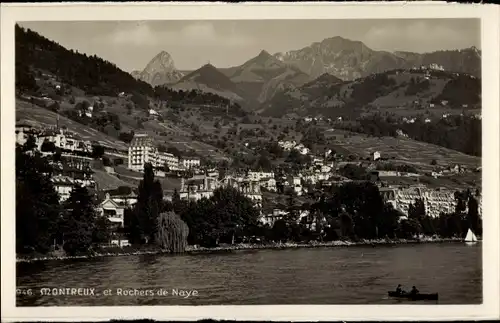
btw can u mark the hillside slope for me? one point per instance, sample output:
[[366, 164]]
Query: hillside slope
[[264, 75], [416, 88], [209, 79], [91, 74]]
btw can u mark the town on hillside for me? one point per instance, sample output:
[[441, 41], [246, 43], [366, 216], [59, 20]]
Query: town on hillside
[[81, 163]]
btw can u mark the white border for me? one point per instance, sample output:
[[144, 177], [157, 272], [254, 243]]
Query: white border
[[10, 13]]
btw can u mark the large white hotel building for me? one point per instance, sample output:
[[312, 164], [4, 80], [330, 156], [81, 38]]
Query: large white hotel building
[[143, 150]]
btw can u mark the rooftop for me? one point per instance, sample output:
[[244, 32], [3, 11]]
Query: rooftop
[[141, 140]]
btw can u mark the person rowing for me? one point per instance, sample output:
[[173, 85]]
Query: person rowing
[[414, 291], [399, 291]]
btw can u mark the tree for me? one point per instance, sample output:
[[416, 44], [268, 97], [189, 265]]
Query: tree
[[78, 221], [176, 201], [54, 106], [410, 228], [473, 217], [417, 210], [264, 163], [97, 151], [222, 217], [25, 81], [102, 230], [29, 145], [148, 207], [232, 210], [126, 136], [362, 201], [280, 231], [172, 232], [48, 146], [346, 224], [37, 202], [106, 161], [353, 172], [174, 151]]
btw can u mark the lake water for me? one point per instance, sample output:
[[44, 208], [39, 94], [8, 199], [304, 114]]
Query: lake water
[[342, 275]]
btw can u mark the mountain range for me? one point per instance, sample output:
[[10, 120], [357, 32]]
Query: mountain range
[[261, 77], [266, 83], [349, 59]]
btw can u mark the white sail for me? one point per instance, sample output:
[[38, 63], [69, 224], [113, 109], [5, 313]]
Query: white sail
[[470, 237]]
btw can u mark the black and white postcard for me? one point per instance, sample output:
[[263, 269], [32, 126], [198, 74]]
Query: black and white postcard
[[281, 161]]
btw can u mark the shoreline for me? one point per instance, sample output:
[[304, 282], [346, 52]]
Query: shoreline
[[193, 250]]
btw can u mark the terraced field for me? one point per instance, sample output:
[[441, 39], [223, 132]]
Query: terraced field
[[417, 153], [38, 116]]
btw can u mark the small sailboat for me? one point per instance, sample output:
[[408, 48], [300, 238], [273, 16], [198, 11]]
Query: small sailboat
[[470, 238]]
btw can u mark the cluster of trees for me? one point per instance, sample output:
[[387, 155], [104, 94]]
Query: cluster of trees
[[463, 89], [370, 88], [106, 122], [354, 172], [219, 219], [461, 133], [212, 102], [89, 73], [206, 222], [416, 86], [398, 168], [42, 222], [313, 136], [352, 211]]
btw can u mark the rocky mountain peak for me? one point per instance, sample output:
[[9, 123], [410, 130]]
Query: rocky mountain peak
[[161, 62], [264, 54], [160, 70]]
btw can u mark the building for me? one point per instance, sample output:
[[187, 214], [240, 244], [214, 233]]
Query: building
[[113, 210], [270, 218], [89, 111], [23, 131], [257, 176], [190, 162], [251, 190], [64, 140], [124, 196], [168, 159], [203, 186], [153, 113], [269, 184], [376, 155], [64, 186], [287, 145], [435, 201], [295, 182], [78, 168], [141, 150], [198, 187]]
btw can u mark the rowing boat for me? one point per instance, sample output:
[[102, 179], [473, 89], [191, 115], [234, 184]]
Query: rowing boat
[[414, 297]]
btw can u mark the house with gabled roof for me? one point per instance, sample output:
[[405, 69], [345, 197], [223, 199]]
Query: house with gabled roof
[[113, 210]]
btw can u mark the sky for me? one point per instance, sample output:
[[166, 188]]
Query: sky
[[225, 43]]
